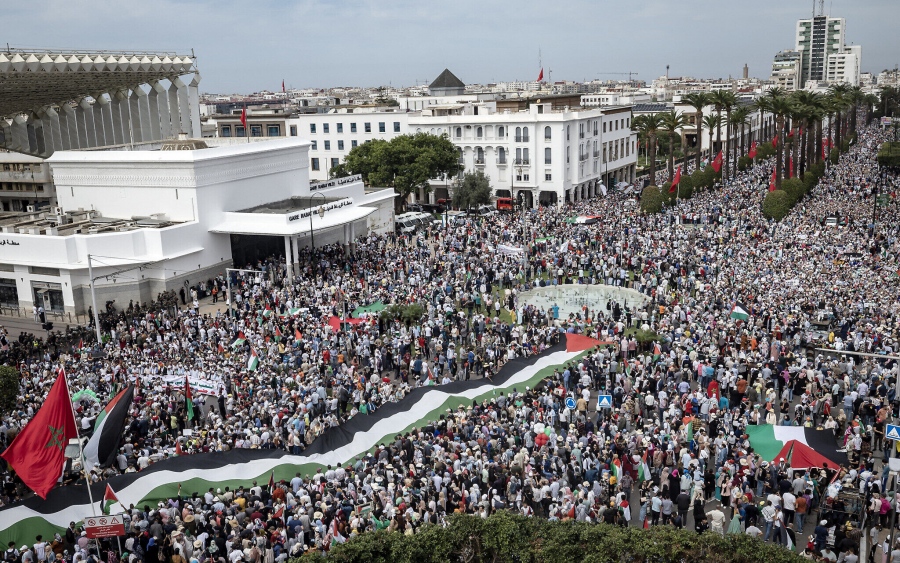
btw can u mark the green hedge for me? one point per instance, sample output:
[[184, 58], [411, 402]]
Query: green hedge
[[889, 154], [744, 163], [652, 200], [776, 205], [795, 188], [764, 150], [508, 538]]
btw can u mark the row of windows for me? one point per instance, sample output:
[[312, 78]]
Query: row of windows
[[255, 131], [367, 127], [316, 166], [340, 145]]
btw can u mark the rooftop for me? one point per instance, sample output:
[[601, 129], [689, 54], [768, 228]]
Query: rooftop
[[447, 79], [79, 222]]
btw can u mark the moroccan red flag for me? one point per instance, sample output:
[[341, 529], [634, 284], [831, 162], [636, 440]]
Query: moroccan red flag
[[790, 168], [772, 182], [675, 180], [38, 453], [541, 75], [791, 134], [775, 142], [823, 152], [752, 153], [717, 163], [244, 117]]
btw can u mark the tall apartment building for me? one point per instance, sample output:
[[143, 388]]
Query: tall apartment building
[[817, 38]]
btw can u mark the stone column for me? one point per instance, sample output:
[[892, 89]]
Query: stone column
[[102, 124], [194, 106], [86, 133], [51, 124], [184, 106], [296, 243], [138, 118], [174, 119], [288, 261], [70, 126], [158, 102]]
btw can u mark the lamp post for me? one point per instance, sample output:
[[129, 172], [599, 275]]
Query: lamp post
[[321, 212]]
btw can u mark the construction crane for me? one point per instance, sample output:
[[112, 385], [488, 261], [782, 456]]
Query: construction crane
[[629, 74]]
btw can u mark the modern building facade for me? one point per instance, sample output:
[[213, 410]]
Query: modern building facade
[[786, 70], [25, 181], [816, 38]]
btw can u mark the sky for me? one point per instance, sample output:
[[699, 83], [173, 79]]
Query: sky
[[243, 47]]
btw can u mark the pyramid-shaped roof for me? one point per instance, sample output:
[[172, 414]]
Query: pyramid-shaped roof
[[447, 79]]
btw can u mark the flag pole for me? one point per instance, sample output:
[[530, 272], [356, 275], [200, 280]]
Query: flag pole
[[80, 447]]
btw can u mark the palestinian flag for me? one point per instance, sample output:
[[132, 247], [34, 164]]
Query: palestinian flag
[[297, 335], [103, 446], [239, 341], [689, 437], [109, 499], [657, 352], [188, 399], [253, 362], [739, 312], [800, 447], [278, 334], [268, 311], [644, 469], [616, 469], [198, 472]]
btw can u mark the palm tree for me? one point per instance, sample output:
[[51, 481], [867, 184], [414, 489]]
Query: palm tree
[[740, 118], [855, 96], [698, 101], [809, 109], [724, 100], [711, 122], [781, 107], [772, 95], [763, 105], [649, 124], [671, 123], [839, 93], [869, 103]]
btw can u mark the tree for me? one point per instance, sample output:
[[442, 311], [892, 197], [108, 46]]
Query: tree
[[712, 123], [839, 96], [651, 200], [649, 125], [724, 100], [776, 205], [473, 190], [405, 163], [671, 123], [9, 389], [780, 107], [698, 101], [740, 118]]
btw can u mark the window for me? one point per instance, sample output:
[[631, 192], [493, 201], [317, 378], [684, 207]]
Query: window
[[501, 156], [617, 125], [381, 128], [595, 127], [353, 127], [604, 127], [604, 152], [293, 130], [626, 149], [518, 134], [368, 127], [547, 158], [548, 177], [340, 127], [256, 130], [581, 130], [459, 132], [547, 133], [312, 128], [327, 145], [335, 162], [340, 145], [396, 127], [501, 131], [325, 128], [226, 130], [315, 164], [525, 134], [628, 122], [274, 130], [353, 144], [239, 131], [479, 132], [479, 155], [315, 145], [568, 129]]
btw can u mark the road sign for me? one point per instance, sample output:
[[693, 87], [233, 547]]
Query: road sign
[[570, 403], [892, 432], [104, 526], [604, 402]]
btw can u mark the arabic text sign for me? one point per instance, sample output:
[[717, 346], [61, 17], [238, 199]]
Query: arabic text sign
[[199, 386], [331, 205], [104, 526]]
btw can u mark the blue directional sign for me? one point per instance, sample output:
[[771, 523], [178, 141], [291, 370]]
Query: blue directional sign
[[570, 403], [892, 432], [604, 402]]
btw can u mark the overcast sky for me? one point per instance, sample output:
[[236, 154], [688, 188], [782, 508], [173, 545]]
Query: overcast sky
[[246, 46]]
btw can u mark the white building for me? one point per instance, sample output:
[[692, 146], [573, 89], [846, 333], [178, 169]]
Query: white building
[[844, 67], [151, 220], [815, 39], [786, 70]]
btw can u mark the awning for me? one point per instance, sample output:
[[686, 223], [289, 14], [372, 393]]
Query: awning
[[274, 225]]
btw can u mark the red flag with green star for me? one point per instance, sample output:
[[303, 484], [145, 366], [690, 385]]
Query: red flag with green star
[[38, 453]]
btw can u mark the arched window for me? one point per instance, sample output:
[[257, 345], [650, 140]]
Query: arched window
[[524, 156], [479, 155], [518, 156], [547, 133], [518, 134], [525, 134], [479, 132], [458, 132], [501, 131], [547, 156], [501, 156]]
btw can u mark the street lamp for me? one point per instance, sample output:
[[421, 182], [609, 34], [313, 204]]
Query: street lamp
[[321, 212]]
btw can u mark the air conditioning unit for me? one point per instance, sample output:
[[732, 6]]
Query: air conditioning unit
[[29, 209]]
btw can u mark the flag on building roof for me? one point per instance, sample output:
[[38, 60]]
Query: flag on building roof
[[37, 454], [717, 163], [188, 399], [253, 362], [244, 116], [541, 75], [103, 446], [739, 312], [109, 499]]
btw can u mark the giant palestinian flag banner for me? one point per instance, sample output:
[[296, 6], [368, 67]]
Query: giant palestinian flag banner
[[20, 522], [800, 447]]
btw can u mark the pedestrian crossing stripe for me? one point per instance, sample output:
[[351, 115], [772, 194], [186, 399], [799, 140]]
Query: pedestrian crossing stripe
[[892, 432], [605, 402]]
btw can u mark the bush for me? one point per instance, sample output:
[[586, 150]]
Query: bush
[[744, 163], [697, 180], [685, 188], [9, 389], [776, 205], [651, 200], [764, 150], [889, 155], [504, 537], [794, 188]]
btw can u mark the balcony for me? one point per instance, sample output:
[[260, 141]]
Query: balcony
[[521, 138], [479, 162], [522, 162], [501, 162]]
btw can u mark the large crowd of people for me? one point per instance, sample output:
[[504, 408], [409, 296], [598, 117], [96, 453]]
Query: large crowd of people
[[674, 451]]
